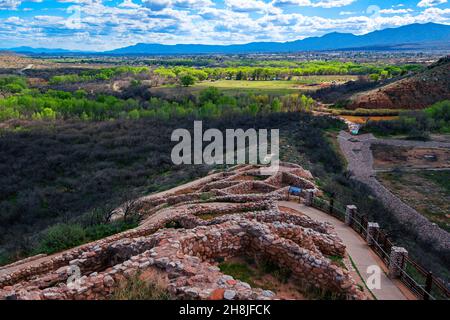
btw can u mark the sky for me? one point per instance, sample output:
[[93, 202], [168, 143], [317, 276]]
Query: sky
[[99, 25]]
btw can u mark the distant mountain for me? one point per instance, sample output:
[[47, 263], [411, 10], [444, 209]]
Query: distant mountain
[[414, 92], [418, 34], [40, 50], [414, 36]]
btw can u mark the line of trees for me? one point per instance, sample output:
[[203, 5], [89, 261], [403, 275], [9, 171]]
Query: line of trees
[[100, 74], [188, 75], [376, 72], [211, 102]]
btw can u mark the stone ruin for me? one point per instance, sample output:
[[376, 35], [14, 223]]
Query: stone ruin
[[243, 219]]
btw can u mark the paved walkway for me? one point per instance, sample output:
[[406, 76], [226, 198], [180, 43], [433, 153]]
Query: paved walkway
[[357, 248]]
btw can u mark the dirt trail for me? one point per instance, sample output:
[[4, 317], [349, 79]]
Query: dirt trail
[[28, 67]]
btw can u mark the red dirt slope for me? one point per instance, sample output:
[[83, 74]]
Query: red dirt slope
[[415, 92]]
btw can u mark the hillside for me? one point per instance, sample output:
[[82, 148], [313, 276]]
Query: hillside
[[415, 92]]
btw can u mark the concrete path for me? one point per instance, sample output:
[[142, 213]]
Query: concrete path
[[357, 248]]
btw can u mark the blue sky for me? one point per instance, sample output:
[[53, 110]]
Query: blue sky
[[106, 24]]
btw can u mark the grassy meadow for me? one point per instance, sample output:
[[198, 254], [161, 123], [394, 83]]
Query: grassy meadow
[[270, 87]]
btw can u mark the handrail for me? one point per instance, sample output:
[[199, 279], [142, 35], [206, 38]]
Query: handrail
[[401, 268], [417, 288]]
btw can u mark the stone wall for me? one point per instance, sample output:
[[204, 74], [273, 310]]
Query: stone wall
[[175, 252], [242, 223]]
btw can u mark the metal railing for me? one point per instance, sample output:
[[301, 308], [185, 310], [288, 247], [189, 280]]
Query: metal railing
[[420, 281]]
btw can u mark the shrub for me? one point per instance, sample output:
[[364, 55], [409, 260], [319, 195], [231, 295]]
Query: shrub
[[104, 230], [61, 237], [211, 94], [12, 84], [69, 235], [239, 271]]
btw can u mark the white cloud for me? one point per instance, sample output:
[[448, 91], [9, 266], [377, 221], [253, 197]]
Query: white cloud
[[13, 4], [314, 3], [395, 11], [129, 4], [347, 13], [157, 5], [430, 3], [9, 4], [247, 5]]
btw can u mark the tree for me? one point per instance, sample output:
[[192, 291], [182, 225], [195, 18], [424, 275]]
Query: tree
[[374, 77], [187, 80], [48, 114], [80, 94], [384, 74], [134, 114]]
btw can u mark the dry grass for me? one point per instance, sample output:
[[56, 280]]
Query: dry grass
[[423, 191], [390, 157], [145, 286]]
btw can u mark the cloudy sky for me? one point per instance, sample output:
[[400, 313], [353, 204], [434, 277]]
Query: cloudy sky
[[106, 24]]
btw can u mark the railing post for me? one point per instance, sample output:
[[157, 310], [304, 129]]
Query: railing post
[[350, 212], [428, 286], [372, 230], [396, 261], [309, 197], [330, 211]]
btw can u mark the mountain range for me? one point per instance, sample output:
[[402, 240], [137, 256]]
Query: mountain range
[[413, 36]]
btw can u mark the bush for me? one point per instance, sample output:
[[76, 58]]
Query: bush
[[211, 94], [104, 230], [4, 259], [12, 84], [61, 237], [66, 236]]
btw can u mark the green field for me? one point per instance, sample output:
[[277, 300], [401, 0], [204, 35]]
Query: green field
[[237, 86], [233, 84], [274, 87]]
